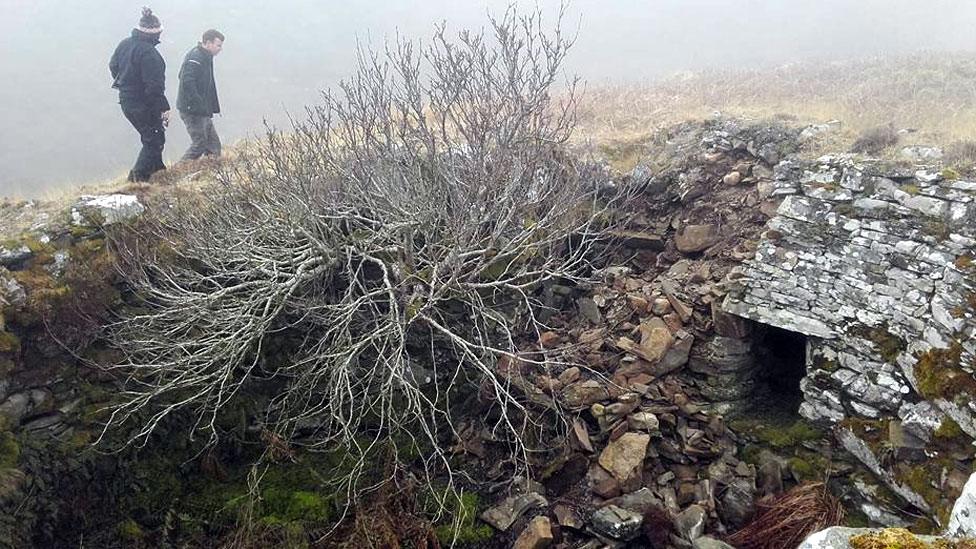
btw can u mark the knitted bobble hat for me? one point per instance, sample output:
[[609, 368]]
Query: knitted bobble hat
[[149, 23]]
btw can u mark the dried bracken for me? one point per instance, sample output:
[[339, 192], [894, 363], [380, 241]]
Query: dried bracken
[[786, 520]]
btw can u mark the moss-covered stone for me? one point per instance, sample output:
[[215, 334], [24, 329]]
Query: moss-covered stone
[[888, 345], [950, 174], [939, 376], [9, 450], [808, 466], [130, 531], [778, 436], [9, 343], [949, 430], [900, 538]]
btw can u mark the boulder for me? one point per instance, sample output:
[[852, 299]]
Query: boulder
[[503, 515], [14, 255], [690, 523], [656, 339], [104, 210], [696, 238], [732, 179], [962, 521], [624, 458], [537, 535], [616, 523], [584, 393], [706, 542]]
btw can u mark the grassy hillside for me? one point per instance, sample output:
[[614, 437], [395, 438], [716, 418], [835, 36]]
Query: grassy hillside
[[933, 94]]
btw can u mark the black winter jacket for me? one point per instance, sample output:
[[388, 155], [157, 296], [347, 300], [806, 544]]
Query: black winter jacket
[[198, 91], [139, 72]]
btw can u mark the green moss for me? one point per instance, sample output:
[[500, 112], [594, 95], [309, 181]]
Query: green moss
[[950, 174], [792, 436], [283, 504], [855, 518], [888, 345], [129, 530], [871, 431], [9, 450], [911, 189], [949, 430], [919, 479], [9, 343], [809, 466], [461, 523], [900, 538], [939, 376], [750, 454]]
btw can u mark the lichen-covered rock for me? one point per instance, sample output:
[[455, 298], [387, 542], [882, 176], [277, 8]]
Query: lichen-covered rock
[[962, 521], [104, 210], [14, 255], [841, 537]]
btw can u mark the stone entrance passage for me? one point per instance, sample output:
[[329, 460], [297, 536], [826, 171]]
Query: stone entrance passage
[[780, 365]]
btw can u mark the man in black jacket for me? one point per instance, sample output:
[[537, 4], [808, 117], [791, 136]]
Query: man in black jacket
[[197, 98], [139, 73]]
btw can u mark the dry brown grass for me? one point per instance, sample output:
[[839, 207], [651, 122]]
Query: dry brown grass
[[934, 94], [786, 520]]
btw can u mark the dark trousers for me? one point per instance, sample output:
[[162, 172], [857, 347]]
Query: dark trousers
[[203, 136], [153, 136]]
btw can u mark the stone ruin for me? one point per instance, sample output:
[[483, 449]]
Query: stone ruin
[[872, 265]]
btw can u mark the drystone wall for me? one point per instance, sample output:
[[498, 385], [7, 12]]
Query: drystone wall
[[874, 263]]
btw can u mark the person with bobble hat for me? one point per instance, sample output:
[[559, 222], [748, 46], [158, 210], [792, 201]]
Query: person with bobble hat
[[139, 73]]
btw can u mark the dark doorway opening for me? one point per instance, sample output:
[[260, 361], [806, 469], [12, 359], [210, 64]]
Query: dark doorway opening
[[781, 357]]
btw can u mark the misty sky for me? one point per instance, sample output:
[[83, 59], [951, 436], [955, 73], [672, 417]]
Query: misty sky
[[60, 123]]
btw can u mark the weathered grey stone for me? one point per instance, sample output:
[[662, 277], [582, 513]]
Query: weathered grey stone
[[921, 153], [15, 255], [589, 310], [962, 521], [706, 542], [11, 292], [503, 515], [617, 523], [676, 356], [920, 419], [690, 523], [838, 537], [15, 407], [639, 502], [104, 210], [738, 502]]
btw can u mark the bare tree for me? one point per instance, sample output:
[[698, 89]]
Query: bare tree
[[385, 253]]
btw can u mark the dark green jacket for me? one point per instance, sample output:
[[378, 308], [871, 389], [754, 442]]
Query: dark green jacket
[[198, 91], [139, 72]]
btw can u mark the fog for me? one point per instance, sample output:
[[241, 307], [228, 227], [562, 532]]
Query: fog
[[60, 123]]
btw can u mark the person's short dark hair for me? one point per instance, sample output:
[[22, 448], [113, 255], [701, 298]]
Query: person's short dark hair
[[211, 35]]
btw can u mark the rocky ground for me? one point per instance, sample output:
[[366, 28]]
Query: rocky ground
[[676, 416]]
